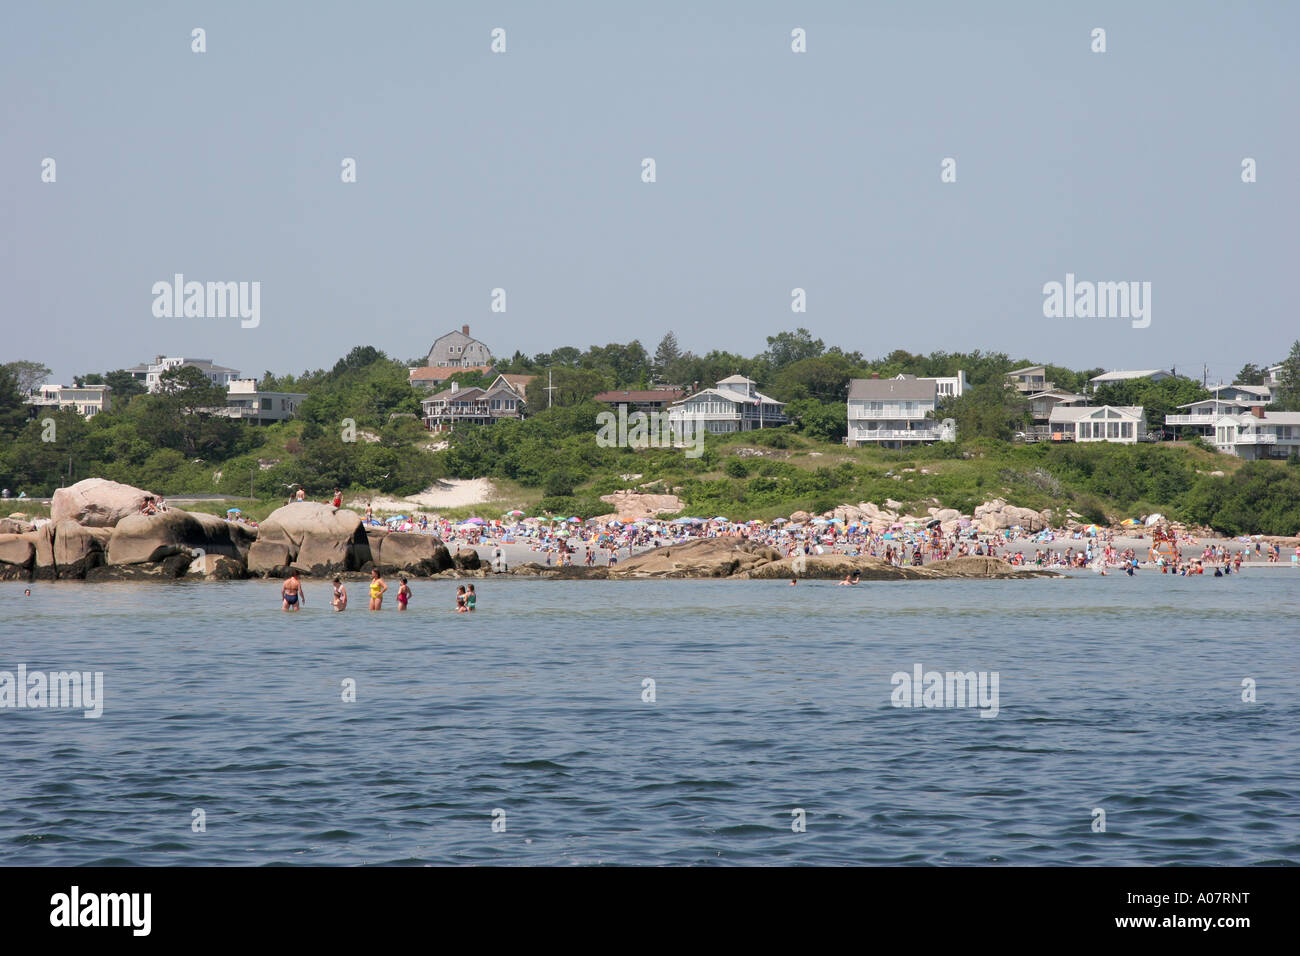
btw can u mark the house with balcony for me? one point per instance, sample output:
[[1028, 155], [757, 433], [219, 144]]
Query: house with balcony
[[246, 402], [734, 405], [87, 400], [1122, 424], [472, 405], [892, 413], [1201, 417], [949, 386], [1030, 380], [1258, 434], [151, 373], [1040, 410]]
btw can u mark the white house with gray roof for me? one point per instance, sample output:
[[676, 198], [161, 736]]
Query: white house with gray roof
[[892, 413], [1121, 424], [1258, 434], [734, 405]]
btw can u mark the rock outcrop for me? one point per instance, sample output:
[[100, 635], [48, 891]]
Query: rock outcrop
[[706, 558], [97, 502], [633, 505], [315, 538], [78, 548], [148, 539]]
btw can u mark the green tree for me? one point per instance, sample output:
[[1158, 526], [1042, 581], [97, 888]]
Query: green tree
[[666, 354], [28, 375], [1288, 382], [1250, 374], [785, 348]]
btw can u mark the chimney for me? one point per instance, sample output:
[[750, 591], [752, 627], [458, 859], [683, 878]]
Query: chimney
[[464, 329], [455, 386], [1257, 411], [875, 375]]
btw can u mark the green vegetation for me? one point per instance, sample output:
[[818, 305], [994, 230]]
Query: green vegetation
[[170, 443]]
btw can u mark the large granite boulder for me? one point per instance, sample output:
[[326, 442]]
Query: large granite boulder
[[144, 539], [43, 538], [77, 548], [15, 526], [415, 553], [997, 515], [318, 539], [97, 502]]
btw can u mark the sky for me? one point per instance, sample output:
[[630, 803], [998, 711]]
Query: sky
[[774, 170]]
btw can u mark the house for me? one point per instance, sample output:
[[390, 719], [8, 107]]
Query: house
[[459, 350], [1124, 424], [518, 382], [642, 400], [435, 376], [244, 400], [1228, 400], [892, 412], [151, 373], [1274, 373], [472, 405], [1110, 378], [1258, 434], [734, 405], [88, 400], [1040, 410], [1030, 380]]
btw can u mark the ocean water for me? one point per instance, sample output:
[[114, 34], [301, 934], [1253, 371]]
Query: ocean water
[[1114, 694]]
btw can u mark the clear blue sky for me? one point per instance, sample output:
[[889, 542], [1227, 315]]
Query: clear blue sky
[[522, 171]]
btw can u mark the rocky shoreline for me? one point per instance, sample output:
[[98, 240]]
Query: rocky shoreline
[[99, 532]]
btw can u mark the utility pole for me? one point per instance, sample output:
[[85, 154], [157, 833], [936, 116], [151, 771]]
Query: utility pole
[[550, 390]]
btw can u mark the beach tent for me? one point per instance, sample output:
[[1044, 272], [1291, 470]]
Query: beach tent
[[1154, 519]]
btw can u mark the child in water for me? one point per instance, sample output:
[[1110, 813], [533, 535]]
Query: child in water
[[460, 600], [470, 599], [340, 602], [403, 595]]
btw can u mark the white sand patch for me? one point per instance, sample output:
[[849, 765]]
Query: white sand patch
[[444, 493]]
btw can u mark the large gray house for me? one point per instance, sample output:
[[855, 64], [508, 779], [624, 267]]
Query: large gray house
[[457, 349]]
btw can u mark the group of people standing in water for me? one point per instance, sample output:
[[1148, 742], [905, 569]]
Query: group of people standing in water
[[292, 596]]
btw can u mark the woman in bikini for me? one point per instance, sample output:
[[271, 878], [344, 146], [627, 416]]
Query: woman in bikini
[[377, 589], [460, 600], [340, 601], [403, 595]]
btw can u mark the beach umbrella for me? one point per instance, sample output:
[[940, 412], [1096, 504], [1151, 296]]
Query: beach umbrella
[[1154, 519], [889, 535], [820, 521], [723, 520], [933, 523], [574, 520], [515, 514], [963, 522], [780, 520], [233, 511], [896, 525]]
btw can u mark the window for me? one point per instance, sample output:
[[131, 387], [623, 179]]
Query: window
[[1126, 430], [1112, 429]]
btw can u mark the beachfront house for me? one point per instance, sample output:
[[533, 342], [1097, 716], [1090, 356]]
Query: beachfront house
[[472, 405], [641, 400], [247, 402], [1040, 411], [87, 400], [892, 413], [459, 350], [945, 386], [1123, 424], [151, 373], [1258, 434], [1030, 380], [1202, 417], [734, 405]]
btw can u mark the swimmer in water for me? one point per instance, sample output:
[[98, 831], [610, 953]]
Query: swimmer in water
[[377, 589], [291, 595], [793, 582], [340, 602], [470, 599], [460, 600], [403, 595]]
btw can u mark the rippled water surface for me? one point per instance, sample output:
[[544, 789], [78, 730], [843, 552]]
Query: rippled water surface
[[1114, 693]]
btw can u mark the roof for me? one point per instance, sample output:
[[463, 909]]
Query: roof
[[879, 389], [460, 394], [440, 373], [1270, 418], [1028, 368], [730, 396], [640, 395], [518, 382], [1121, 375], [737, 380], [1074, 413], [1263, 391], [1060, 393]]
